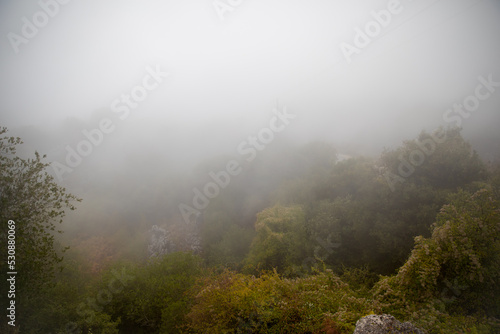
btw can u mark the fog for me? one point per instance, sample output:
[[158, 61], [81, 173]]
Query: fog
[[175, 88], [266, 165]]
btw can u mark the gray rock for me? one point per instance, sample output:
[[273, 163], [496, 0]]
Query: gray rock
[[384, 324]]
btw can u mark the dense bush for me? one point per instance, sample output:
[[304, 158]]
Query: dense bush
[[148, 298], [456, 271], [235, 303]]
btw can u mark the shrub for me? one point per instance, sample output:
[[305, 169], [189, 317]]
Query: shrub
[[455, 271], [231, 302]]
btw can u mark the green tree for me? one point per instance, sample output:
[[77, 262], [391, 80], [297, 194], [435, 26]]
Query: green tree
[[155, 299], [329, 229], [457, 270], [30, 197], [443, 159], [280, 238], [235, 303], [231, 250], [58, 306]]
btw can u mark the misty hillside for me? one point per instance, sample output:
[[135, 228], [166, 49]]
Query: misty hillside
[[256, 166]]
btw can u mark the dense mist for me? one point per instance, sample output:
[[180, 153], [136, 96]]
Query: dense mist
[[178, 85]]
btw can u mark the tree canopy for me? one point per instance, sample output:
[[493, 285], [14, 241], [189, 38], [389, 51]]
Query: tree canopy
[[30, 197]]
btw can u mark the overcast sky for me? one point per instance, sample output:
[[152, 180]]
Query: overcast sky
[[230, 67]]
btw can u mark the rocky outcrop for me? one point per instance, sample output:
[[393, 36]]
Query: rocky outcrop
[[161, 242], [384, 324]]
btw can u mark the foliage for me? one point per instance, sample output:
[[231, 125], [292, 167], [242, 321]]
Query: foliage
[[235, 303], [317, 218], [155, 299], [456, 270], [30, 197], [360, 280], [276, 245], [449, 162], [53, 309], [231, 250]]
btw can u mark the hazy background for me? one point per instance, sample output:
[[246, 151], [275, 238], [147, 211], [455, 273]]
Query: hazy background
[[226, 76]]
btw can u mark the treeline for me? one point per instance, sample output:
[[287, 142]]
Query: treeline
[[358, 212], [303, 243]]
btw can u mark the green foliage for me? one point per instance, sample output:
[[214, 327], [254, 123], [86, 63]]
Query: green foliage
[[494, 179], [329, 230], [155, 300], [276, 245], [235, 303], [449, 164], [321, 214], [30, 197], [360, 280], [354, 207], [55, 309], [456, 270], [353, 177], [101, 323], [231, 250]]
